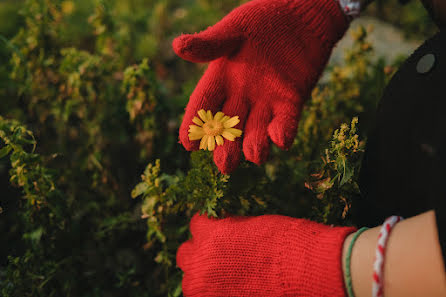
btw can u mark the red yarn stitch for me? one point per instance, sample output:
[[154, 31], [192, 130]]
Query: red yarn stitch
[[268, 255], [266, 56]]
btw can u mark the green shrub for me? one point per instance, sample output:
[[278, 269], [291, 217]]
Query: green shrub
[[412, 18]]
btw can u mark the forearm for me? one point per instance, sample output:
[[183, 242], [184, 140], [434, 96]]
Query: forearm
[[413, 262]]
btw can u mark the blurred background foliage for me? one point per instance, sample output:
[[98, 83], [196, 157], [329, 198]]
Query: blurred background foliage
[[91, 100]]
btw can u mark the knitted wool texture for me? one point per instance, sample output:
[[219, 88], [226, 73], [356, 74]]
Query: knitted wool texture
[[266, 56], [268, 255]]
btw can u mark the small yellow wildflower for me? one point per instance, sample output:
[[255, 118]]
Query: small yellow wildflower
[[211, 129]]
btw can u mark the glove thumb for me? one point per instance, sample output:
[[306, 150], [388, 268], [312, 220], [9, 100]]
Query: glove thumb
[[217, 41]]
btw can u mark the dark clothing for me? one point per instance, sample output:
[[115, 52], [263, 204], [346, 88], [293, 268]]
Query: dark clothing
[[404, 168]]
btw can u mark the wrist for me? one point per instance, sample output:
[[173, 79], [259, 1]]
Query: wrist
[[353, 8], [324, 18], [362, 258], [412, 264]]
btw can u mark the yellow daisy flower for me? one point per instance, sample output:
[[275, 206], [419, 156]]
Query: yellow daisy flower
[[211, 129]]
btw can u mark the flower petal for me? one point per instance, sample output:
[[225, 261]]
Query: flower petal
[[202, 114], [209, 115], [224, 119], [231, 122], [197, 121], [235, 132], [211, 143], [228, 135], [204, 142], [218, 116], [193, 128], [219, 140], [196, 134], [193, 136]]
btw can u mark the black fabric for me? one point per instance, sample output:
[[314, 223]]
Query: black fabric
[[404, 167]]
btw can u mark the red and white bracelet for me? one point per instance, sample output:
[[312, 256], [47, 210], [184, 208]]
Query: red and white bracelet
[[351, 8], [378, 266]]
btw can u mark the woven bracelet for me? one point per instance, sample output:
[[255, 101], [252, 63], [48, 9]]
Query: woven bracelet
[[378, 266], [351, 8], [347, 270]]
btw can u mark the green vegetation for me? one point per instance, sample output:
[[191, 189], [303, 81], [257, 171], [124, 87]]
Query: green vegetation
[[412, 18], [92, 94]]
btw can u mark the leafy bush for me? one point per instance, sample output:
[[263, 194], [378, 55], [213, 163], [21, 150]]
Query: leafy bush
[[412, 18], [92, 94]]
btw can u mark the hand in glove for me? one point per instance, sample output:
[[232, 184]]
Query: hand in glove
[[268, 255], [266, 56]]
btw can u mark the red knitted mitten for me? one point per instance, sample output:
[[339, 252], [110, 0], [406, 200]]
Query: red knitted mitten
[[267, 56], [268, 255]]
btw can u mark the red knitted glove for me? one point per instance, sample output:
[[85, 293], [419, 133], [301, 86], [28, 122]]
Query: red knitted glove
[[268, 255], [267, 56]]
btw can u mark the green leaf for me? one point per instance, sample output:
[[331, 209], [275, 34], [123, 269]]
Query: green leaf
[[4, 151], [348, 174], [35, 235], [177, 291], [140, 189]]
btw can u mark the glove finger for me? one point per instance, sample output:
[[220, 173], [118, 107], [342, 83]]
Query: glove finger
[[256, 143], [197, 283], [217, 41], [201, 226], [283, 128], [208, 95], [227, 156], [184, 254], [187, 285]]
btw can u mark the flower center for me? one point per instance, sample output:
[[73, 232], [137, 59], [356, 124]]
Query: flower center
[[213, 128]]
